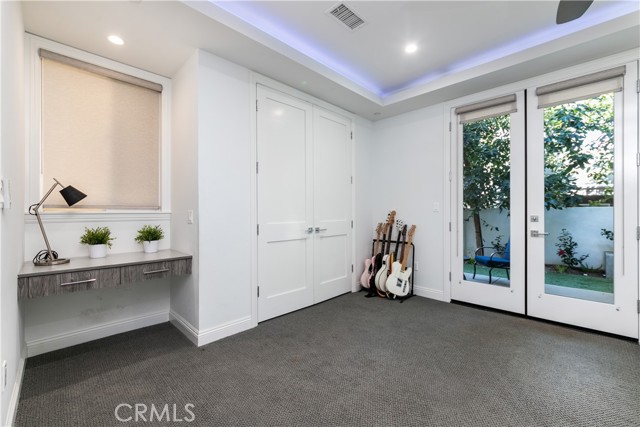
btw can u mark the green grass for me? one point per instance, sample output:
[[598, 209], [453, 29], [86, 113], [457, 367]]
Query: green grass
[[569, 280], [591, 283]]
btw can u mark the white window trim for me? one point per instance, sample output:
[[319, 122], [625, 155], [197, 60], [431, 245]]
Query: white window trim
[[34, 187]]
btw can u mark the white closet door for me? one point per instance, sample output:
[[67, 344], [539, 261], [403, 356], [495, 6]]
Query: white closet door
[[332, 204], [285, 204]]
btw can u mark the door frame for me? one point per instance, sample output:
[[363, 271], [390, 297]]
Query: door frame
[[256, 79]]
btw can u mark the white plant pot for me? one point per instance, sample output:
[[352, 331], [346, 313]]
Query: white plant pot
[[97, 251], [150, 247]]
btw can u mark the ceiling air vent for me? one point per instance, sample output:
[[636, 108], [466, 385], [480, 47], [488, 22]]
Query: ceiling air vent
[[344, 14]]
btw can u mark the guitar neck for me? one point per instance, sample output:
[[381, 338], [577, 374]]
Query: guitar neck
[[408, 245]]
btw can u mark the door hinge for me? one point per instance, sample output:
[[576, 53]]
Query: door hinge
[[449, 276], [351, 223], [352, 268], [449, 176], [637, 233], [638, 86], [638, 306], [256, 105], [449, 126], [258, 229], [351, 134], [258, 291], [352, 179], [449, 226], [257, 167], [637, 159]]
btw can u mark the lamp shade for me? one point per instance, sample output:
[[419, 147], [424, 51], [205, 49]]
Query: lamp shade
[[72, 195]]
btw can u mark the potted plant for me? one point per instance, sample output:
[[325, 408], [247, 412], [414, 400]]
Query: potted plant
[[98, 239], [149, 236]]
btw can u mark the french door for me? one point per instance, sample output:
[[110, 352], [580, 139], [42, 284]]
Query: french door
[[567, 200], [304, 204], [583, 259], [488, 206]]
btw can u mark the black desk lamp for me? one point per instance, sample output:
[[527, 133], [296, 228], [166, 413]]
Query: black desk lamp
[[71, 196]]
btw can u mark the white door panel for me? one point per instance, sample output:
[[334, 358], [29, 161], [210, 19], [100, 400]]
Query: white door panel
[[285, 247], [332, 204]]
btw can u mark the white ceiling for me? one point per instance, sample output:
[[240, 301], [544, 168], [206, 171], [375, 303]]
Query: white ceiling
[[463, 46]]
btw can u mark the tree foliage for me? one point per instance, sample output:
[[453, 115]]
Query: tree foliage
[[578, 145]]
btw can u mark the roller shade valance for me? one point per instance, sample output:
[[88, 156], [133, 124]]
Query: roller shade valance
[[583, 87], [487, 109], [96, 69]]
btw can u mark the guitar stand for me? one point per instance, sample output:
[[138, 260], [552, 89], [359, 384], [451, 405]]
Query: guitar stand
[[372, 292]]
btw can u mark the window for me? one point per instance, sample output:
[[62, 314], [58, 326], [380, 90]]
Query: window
[[100, 130]]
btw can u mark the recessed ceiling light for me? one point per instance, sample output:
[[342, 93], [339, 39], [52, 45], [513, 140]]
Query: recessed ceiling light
[[116, 40], [411, 48]]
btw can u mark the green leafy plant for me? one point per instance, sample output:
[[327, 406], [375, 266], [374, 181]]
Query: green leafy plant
[[561, 268], [567, 250], [97, 236], [149, 233], [608, 234]]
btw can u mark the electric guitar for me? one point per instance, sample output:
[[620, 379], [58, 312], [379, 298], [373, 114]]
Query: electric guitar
[[377, 264], [402, 234], [368, 263], [383, 272], [398, 282]]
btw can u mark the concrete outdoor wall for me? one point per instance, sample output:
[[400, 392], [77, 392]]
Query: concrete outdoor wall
[[584, 223]]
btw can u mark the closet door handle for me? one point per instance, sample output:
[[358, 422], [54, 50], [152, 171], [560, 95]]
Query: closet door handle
[[309, 230], [318, 229], [155, 271]]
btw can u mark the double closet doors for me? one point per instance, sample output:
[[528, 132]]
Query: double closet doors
[[545, 202], [303, 204]]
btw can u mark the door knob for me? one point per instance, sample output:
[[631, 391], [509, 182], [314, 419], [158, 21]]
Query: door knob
[[309, 230], [318, 229]]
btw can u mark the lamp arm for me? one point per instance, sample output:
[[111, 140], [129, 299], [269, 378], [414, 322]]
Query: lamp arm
[[37, 206]]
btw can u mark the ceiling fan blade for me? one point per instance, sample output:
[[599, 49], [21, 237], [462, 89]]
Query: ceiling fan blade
[[568, 10]]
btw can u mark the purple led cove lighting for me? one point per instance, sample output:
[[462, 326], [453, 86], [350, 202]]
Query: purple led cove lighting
[[606, 13], [243, 11], [246, 13]]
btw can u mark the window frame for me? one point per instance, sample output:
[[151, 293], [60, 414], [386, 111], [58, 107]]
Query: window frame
[[35, 187]]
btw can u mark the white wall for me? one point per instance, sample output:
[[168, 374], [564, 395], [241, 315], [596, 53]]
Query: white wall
[[408, 176], [11, 220], [211, 175], [184, 192], [224, 173], [363, 169]]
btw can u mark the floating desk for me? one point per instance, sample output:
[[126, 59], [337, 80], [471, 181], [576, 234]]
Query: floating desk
[[85, 273]]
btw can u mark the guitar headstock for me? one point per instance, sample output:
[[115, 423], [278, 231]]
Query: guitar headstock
[[399, 224], [391, 216], [412, 230], [379, 229], [404, 232]]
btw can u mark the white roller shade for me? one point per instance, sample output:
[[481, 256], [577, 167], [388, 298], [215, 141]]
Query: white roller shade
[[579, 88], [100, 135], [487, 109]]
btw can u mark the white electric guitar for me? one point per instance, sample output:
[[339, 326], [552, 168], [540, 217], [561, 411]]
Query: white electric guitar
[[398, 281]]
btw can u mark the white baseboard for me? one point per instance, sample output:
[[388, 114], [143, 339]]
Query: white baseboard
[[422, 291], [15, 394], [44, 345], [210, 335], [184, 326]]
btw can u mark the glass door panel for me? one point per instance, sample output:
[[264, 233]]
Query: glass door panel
[[488, 258], [579, 199]]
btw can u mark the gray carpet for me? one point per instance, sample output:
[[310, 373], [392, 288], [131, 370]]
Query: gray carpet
[[350, 361]]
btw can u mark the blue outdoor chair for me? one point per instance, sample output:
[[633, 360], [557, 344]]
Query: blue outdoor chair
[[497, 259]]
